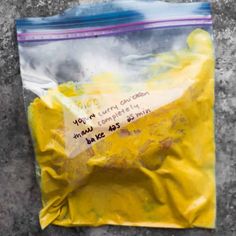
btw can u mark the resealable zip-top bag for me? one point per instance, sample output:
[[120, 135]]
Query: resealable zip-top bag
[[119, 99]]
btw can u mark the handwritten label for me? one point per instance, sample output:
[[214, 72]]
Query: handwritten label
[[87, 123]]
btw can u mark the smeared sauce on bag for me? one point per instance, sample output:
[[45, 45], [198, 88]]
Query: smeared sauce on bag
[[153, 171]]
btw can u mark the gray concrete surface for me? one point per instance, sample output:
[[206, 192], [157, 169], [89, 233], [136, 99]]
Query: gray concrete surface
[[19, 193]]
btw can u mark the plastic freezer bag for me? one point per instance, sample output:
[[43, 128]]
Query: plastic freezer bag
[[120, 98]]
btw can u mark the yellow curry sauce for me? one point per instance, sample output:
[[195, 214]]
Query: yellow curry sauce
[[157, 171]]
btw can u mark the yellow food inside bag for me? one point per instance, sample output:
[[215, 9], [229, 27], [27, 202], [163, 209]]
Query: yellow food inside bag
[[157, 171]]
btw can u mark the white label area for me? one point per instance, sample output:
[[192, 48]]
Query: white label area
[[91, 118]]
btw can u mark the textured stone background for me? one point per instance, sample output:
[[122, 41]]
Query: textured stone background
[[19, 193]]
